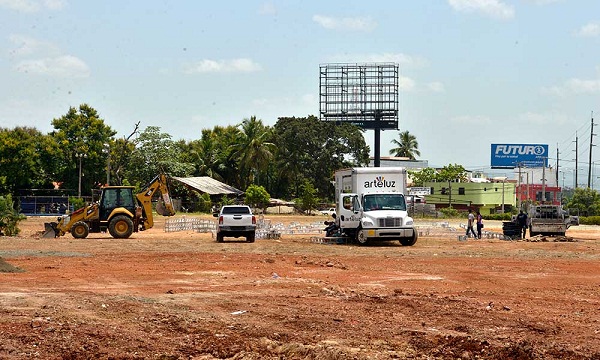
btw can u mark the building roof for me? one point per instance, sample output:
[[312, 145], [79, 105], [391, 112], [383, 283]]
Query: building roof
[[208, 185]]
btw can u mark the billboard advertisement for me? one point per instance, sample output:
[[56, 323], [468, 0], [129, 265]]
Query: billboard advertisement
[[509, 156]]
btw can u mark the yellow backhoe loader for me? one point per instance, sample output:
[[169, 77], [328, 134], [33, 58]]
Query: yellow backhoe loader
[[119, 211]]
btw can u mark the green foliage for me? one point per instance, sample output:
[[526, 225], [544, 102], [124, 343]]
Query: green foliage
[[252, 150], [308, 199], [500, 217], [585, 201], [452, 172], [308, 148], [28, 156], [589, 220], [9, 217], [450, 212], [257, 196], [204, 203], [80, 137], [76, 203], [420, 177], [226, 200], [406, 146], [156, 153]]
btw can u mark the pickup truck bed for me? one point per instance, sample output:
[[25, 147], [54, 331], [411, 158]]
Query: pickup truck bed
[[236, 221]]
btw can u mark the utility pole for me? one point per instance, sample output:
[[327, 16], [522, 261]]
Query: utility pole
[[519, 189], [591, 145], [544, 183], [557, 153], [576, 164]]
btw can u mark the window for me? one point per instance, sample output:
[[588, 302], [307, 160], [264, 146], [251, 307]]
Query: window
[[461, 191]]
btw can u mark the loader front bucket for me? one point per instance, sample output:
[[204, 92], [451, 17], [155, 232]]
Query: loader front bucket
[[49, 231]]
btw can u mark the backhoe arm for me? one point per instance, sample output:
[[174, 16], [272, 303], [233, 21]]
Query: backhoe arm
[[164, 207]]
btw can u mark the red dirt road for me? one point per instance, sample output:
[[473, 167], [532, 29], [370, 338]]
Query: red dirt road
[[181, 295]]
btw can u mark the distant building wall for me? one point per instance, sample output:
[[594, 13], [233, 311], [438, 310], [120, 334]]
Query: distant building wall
[[465, 195]]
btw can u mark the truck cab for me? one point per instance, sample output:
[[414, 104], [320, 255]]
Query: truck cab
[[371, 205]]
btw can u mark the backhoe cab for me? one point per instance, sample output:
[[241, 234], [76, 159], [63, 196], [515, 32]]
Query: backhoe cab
[[119, 211]]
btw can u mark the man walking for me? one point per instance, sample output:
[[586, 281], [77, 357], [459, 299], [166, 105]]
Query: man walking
[[522, 221], [470, 221]]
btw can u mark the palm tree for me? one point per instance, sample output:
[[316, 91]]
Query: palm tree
[[253, 150], [406, 146]]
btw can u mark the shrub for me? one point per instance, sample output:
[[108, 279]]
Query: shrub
[[9, 217], [450, 212]]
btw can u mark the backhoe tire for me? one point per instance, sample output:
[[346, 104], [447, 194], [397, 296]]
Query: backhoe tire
[[120, 227], [80, 230]]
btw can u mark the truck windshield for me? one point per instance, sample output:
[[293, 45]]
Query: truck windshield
[[384, 202]]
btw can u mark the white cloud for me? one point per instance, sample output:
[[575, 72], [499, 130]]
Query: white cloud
[[543, 119], [54, 4], [223, 66], [401, 59], [65, 66], [267, 8], [30, 6], [589, 30], [471, 120], [544, 2], [406, 84], [574, 86], [27, 46], [436, 86], [493, 8], [355, 23]]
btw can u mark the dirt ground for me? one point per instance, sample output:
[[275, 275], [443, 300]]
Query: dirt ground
[[181, 295]]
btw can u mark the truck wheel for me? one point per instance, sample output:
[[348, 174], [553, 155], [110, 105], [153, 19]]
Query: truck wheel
[[120, 227], [361, 237], [250, 237], [80, 230], [410, 241], [219, 237]]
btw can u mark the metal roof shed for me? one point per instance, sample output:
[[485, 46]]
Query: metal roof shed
[[208, 185]]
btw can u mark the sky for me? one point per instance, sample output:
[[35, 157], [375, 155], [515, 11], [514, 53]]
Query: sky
[[472, 72]]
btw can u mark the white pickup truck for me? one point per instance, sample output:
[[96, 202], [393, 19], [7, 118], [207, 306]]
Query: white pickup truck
[[236, 221]]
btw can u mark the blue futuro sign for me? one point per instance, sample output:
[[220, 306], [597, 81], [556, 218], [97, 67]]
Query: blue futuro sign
[[508, 156]]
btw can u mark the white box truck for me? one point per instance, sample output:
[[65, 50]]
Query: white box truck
[[371, 205]]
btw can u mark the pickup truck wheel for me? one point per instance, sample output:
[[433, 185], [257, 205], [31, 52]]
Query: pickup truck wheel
[[120, 227], [219, 237], [361, 237], [80, 230], [410, 241], [250, 237]]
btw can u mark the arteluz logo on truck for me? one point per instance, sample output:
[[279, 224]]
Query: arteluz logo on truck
[[380, 182], [514, 155]]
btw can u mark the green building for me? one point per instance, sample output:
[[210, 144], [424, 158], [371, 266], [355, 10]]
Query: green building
[[486, 197]]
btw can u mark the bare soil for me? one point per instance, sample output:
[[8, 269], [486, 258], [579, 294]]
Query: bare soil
[[182, 295]]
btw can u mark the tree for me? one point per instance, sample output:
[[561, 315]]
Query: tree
[[452, 172], [155, 153], [308, 148], [308, 198], [420, 177], [406, 146], [81, 132], [9, 217], [252, 150], [585, 201], [257, 196], [28, 156]]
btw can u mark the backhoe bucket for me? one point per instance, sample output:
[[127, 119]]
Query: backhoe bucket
[[49, 231], [161, 209]]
